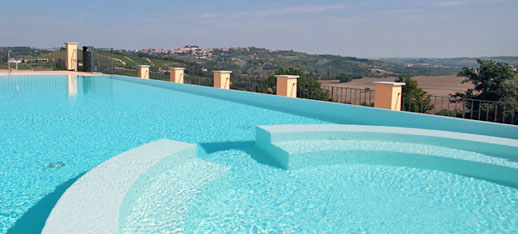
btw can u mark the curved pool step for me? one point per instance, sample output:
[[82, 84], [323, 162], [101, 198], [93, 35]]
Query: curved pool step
[[300, 146], [92, 204]]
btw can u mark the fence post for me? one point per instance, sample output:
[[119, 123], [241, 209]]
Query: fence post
[[71, 61], [463, 108], [176, 74], [388, 95], [143, 71], [222, 79], [287, 85]]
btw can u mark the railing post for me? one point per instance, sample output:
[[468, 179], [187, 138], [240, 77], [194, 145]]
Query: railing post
[[9, 61], [388, 95], [176, 74], [143, 71], [222, 79], [287, 85], [463, 108], [71, 60]]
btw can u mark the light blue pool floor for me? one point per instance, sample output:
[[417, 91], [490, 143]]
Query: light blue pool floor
[[49, 136]]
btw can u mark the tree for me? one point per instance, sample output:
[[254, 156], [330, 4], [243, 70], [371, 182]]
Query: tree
[[414, 98], [495, 90], [493, 81], [306, 87]]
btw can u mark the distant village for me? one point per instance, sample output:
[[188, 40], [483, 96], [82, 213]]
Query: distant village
[[201, 53]]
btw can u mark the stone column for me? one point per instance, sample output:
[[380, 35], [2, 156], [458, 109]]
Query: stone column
[[143, 71], [71, 60], [388, 95], [176, 74], [287, 85], [222, 79]]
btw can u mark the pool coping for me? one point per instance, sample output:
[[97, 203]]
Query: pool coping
[[292, 128], [92, 204]]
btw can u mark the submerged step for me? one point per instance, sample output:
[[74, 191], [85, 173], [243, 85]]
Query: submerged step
[[302, 146], [92, 204]]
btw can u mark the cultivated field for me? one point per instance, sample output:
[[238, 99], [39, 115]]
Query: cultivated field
[[440, 86], [434, 85]]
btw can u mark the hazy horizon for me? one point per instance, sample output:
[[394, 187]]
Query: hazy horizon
[[359, 28]]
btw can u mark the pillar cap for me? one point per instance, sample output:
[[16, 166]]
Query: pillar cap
[[288, 76], [71, 43], [389, 83], [222, 71], [176, 68], [143, 66]]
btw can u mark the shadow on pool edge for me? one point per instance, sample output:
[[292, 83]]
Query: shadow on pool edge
[[248, 147], [34, 219]]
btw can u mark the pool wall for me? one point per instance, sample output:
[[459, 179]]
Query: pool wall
[[340, 113]]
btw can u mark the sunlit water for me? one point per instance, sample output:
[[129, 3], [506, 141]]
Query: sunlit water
[[54, 128]]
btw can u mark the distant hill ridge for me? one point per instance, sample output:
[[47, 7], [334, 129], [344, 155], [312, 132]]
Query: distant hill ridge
[[453, 62], [252, 62]]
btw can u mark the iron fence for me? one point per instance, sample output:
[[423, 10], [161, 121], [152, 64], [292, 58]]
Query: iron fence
[[256, 85], [493, 111], [364, 97], [54, 59], [30, 58], [165, 76]]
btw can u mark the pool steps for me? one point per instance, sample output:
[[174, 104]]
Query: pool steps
[[301, 146], [99, 200], [92, 203]]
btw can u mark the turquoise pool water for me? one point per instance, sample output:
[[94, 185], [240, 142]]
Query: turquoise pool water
[[50, 134], [239, 195], [54, 128]]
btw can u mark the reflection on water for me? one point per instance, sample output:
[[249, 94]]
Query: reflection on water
[[97, 85], [73, 87]]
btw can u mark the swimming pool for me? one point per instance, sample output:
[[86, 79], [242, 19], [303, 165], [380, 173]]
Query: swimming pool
[[55, 128]]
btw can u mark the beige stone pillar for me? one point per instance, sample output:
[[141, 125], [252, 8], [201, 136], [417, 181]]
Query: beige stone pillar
[[143, 71], [222, 79], [287, 85], [71, 60], [176, 74], [388, 95]]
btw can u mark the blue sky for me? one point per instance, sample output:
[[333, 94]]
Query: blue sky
[[362, 28]]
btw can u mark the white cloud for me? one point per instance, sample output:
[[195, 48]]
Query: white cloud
[[299, 10], [278, 12], [452, 3]]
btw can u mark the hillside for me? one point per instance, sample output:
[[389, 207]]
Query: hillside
[[250, 63], [452, 62], [257, 62]]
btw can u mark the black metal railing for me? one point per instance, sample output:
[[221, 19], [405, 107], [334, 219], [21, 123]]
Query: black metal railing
[[40, 59], [364, 97], [484, 110], [34, 59], [255, 85]]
